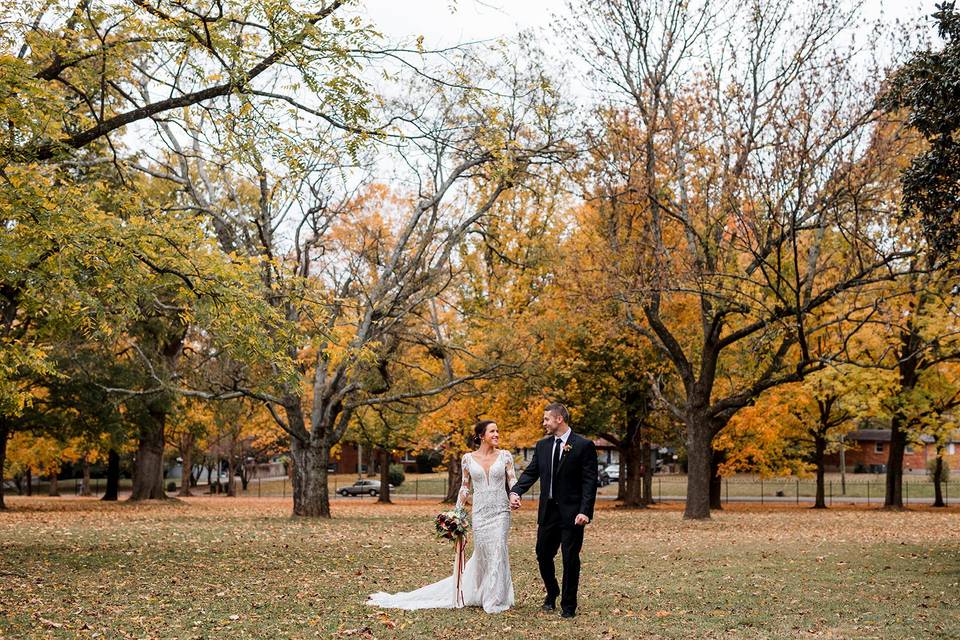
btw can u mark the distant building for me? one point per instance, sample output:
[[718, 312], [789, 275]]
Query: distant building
[[868, 450], [607, 453], [347, 456]]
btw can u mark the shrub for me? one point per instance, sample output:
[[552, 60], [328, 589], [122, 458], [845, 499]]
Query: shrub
[[396, 475], [427, 460]]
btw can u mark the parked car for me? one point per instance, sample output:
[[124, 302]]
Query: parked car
[[362, 487], [603, 478], [613, 472]]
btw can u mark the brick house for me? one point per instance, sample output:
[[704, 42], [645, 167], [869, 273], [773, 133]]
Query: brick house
[[347, 456], [868, 449]]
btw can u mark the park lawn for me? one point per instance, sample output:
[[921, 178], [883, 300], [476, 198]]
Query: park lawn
[[215, 567]]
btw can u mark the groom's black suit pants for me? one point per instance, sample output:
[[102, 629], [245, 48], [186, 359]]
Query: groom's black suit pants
[[554, 534]]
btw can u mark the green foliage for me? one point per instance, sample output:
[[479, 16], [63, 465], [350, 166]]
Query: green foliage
[[928, 88], [396, 474], [428, 460]]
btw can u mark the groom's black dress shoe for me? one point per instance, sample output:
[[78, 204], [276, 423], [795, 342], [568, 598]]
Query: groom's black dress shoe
[[549, 605], [568, 614]]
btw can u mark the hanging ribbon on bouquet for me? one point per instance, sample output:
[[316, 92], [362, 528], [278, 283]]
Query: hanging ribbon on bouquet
[[458, 568]]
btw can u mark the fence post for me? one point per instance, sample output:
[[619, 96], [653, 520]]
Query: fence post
[[284, 486], [726, 486], [798, 491], [831, 493]]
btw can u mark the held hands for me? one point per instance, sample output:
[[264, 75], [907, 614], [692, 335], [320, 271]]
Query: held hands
[[581, 520], [514, 501]]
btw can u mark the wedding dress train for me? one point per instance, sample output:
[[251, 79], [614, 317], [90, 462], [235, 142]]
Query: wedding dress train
[[486, 581]]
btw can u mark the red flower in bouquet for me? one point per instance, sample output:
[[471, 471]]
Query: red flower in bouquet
[[451, 525]]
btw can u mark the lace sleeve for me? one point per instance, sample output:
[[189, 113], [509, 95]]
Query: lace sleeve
[[466, 485], [511, 470]]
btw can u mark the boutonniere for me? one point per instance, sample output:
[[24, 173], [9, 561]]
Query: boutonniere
[[567, 448]]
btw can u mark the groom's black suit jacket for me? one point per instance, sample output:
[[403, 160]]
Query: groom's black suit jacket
[[576, 484]]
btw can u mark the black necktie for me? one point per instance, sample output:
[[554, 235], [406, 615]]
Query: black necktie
[[557, 445]]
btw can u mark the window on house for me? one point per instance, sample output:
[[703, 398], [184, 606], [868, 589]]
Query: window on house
[[878, 447], [951, 449], [909, 449]]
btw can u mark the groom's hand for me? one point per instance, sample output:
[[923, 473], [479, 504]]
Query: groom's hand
[[514, 501], [581, 520]]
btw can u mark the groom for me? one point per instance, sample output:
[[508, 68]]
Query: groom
[[566, 465]]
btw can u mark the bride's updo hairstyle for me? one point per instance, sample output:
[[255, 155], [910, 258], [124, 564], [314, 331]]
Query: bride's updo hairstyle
[[479, 430]]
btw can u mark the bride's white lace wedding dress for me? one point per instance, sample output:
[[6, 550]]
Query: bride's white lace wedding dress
[[486, 580]]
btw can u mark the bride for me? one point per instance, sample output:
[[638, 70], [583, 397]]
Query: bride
[[488, 474]]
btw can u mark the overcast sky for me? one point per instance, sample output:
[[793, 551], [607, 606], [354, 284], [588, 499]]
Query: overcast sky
[[450, 22]]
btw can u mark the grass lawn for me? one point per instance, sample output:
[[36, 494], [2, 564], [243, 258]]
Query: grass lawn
[[214, 567]]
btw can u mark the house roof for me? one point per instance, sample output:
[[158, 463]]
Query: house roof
[[883, 435]]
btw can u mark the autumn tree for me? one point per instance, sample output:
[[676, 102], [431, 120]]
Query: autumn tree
[[924, 88], [923, 348], [358, 270], [76, 78], [748, 186]]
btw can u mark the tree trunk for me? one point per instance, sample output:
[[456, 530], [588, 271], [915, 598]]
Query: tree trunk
[[29, 482], [820, 448], [622, 476], [910, 341], [310, 460], [113, 476], [231, 482], [186, 464], [699, 457], [4, 432], [649, 465], [384, 496], [246, 471], [937, 479], [85, 489], [211, 485], [894, 480], [631, 474], [148, 468], [454, 479], [716, 482], [371, 461], [54, 488]]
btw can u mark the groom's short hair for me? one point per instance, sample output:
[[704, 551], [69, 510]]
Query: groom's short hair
[[560, 410]]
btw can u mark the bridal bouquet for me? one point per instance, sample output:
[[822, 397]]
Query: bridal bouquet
[[452, 524]]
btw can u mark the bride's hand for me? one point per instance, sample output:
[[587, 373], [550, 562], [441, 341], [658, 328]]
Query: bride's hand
[[581, 520]]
